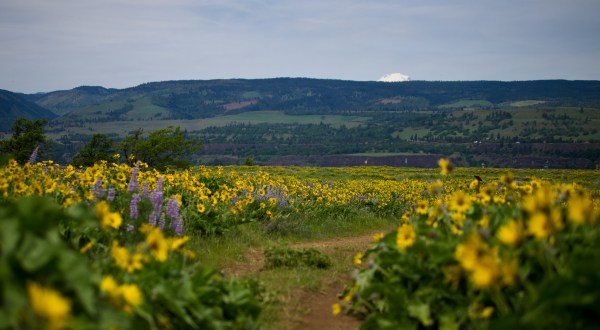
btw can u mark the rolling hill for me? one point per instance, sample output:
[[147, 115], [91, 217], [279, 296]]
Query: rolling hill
[[13, 106], [300, 96]]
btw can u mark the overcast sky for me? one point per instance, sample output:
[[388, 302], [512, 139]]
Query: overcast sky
[[48, 45]]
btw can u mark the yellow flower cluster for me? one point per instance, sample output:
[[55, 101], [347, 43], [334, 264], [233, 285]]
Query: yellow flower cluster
[[483, 263], [125, 296], [49, 305]]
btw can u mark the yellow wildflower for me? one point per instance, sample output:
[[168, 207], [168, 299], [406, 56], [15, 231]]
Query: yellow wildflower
[[580, 209], [469, 252], [406, 236], [109, 285], [377, 237], [121, 176], [486, 271], [86, 247], [459, 202], [177, 242], [125, 260], [422, 207], [487, 312], [507, 179], [539, 225], [200, 208], [132, 296], [445, 166], [510, 233], [158, 245], [358, 258], [107, 218], [436, 187], [336, 309], [50, 305]]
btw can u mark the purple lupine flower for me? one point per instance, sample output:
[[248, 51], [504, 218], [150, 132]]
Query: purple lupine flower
[[152, 218], [133, 206], [159, 184], [34, 154], [157, 199], [111, 194], [173, 208], [97, 189], [146, 190], [130, 228], [179, 227], [161, 222], [133, 183]]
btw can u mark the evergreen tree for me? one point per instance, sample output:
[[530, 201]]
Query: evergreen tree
[[99, 148], [27, 137]]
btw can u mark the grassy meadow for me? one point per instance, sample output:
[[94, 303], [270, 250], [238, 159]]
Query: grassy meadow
[[247, 247]]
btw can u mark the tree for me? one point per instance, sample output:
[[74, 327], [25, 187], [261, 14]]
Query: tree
[[163, 148], [27, 137], [99, 148]]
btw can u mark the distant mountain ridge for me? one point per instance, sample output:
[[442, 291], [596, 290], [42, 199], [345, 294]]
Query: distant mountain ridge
[[13, 106], [193, 99]]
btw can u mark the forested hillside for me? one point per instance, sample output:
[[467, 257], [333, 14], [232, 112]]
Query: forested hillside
[[550, 123]]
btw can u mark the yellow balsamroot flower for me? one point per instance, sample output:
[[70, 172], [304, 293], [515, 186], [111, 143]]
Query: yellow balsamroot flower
[[541, 200], [377, 237], [507, 179], [580, 209], [476, 311], [109, 285], [126, 296], [540, 225], [422, 207], [108, 219], [200, 208], [459, 202], [50, 305], [156, 242], [468, 252], [445, 166], [459, 218], [358, 258], [511, 233], [86, 247], [406, 236], [486, 271], [336, 309], [125, 260], [176, 243], [132, 296]]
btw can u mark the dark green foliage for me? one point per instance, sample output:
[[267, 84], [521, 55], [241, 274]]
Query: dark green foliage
[[287, 257], [168, 147], [26, 137], [99, 148]]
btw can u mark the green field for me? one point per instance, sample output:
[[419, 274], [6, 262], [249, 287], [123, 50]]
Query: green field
[[122, 128]]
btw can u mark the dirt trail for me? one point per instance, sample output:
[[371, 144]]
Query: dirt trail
[[316, 304]]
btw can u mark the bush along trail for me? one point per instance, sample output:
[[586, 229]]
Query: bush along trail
[[115, 246]]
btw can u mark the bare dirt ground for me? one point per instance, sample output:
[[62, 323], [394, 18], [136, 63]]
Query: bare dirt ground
[[315, 307]]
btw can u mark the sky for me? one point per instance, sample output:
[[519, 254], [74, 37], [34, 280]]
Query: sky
[[61, 44]]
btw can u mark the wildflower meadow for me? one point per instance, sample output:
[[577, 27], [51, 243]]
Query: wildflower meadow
[[108, 246]]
